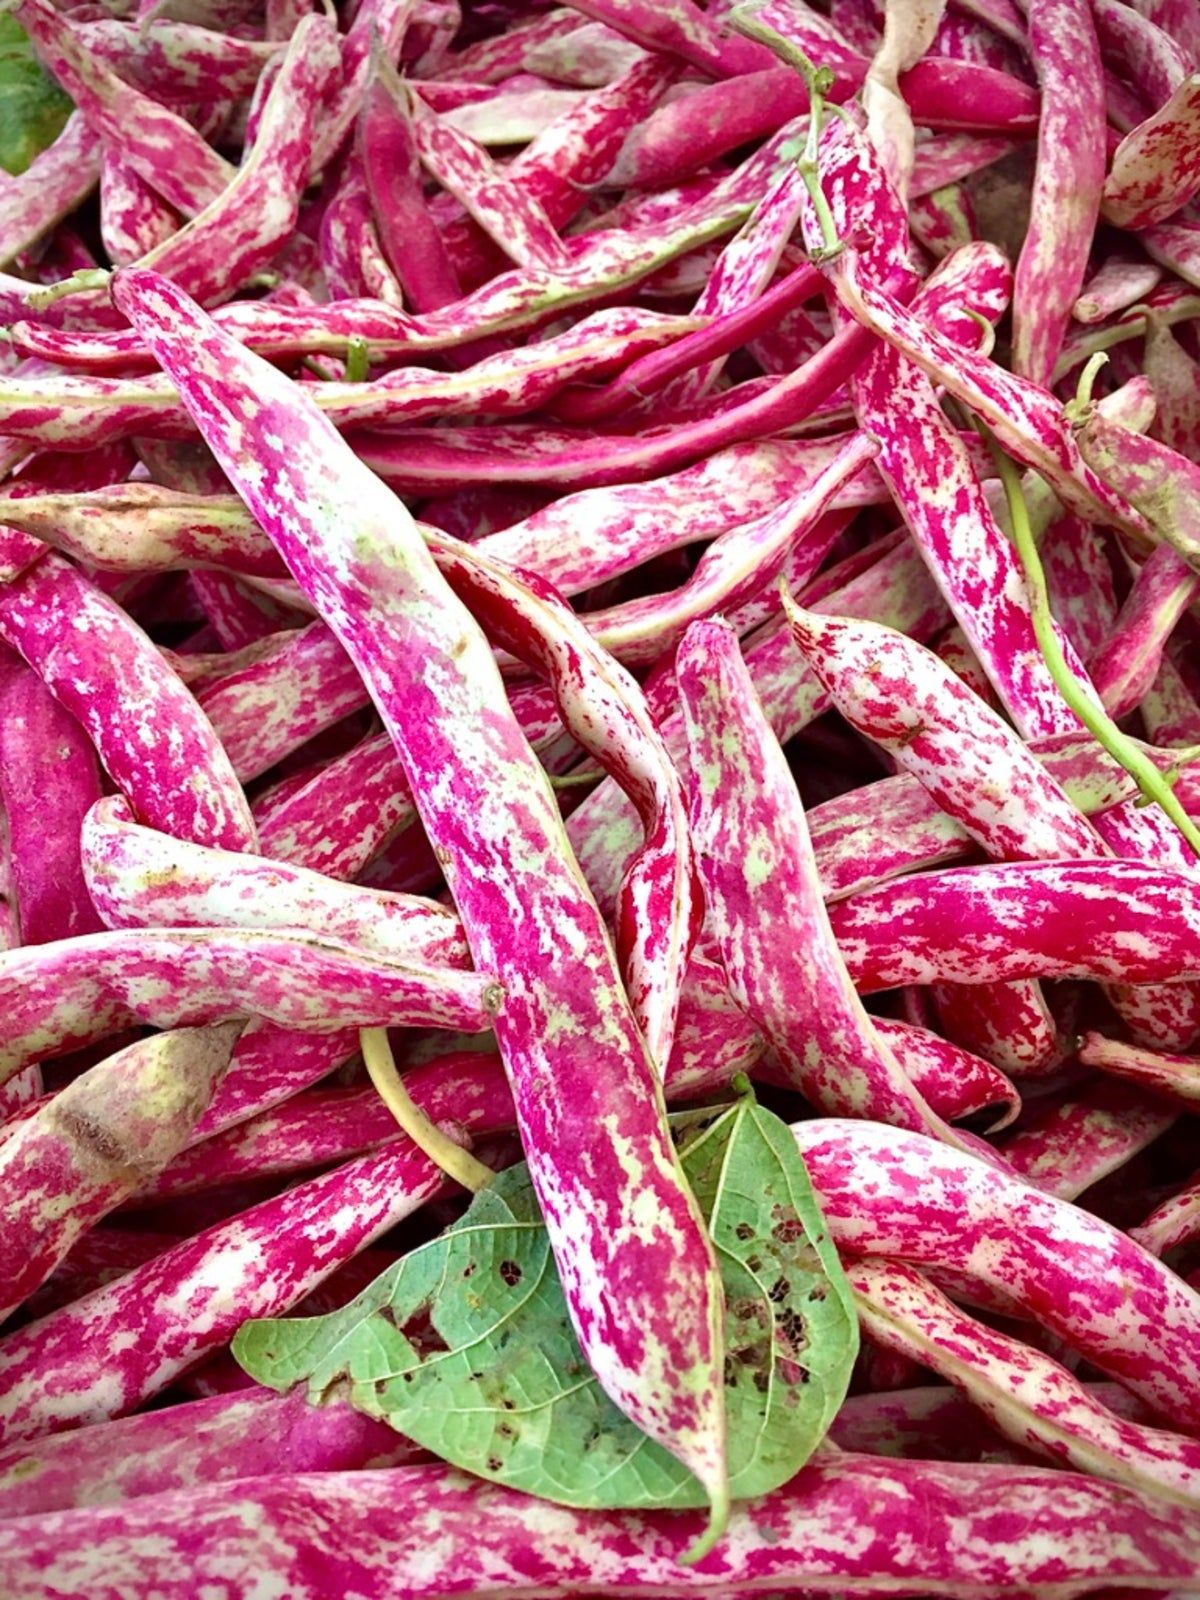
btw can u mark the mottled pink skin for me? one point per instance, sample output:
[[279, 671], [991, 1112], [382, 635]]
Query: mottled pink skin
[[140, 878], [897, 589], [77, 412], [1027, 1396], [269, 1065], [186, 1446], [179, 60], [1026, 419], [143, 527], [1174, 1077], [55, 182], [1141, 49], [1119, 282], [955, 1082], [62, 995], [1176, 246], [352, 258], [376, 24], [133, 217], [1067, 181], [679, 28], [583, 1080], [164, 149], [1161, 483], [1153, 171], [701, 349], [1128, 661], [49, 777], [501, 205], [887, 1192], [1118, 921], [850, 1524], [884, 829], [273, 706], [1172, 717], [1175, 1222], [107, 1353], [899, 694], [150, 734], [658, 904], [1065, 1149], [764, 905], [583, 539], [94, 1143], [411, 241], [739, 566]]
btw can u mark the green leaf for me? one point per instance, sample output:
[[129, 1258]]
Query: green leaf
[[466, 1346], [33, 108]]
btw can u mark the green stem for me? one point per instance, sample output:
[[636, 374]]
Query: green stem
[[819, 81], [358, 359], [454, 1161], [1154, 786], [78, 283], [1076, 410]]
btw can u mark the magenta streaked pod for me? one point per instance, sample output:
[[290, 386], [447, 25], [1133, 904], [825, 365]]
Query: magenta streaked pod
[[140, 878], [895, 588], [158, 143], [760, 878], [275, 704], [196, 1443], [1067, 182], [49, 777], [1027, 420], [376, 24], [180, 60], [151, 736], [105, 1354], [1152, 174], [134, 218], [1025, 1395], [1120, 281], [899, 694], [954, 1081], [269, 1065], [1117, 921], [1162, 484], [1128, 661], [1175, 1222], [95, 1142], [78, 990], [1078, 1141], [143, 527], [49, 190], [976, 1530], [588, 1085], [888, 1192], [243, 227], [1173, 1076]]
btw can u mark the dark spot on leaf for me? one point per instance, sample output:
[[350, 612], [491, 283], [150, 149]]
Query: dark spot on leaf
[[407, 1376], [755, 1263], [762, 1382], [788, 1230], [507, 1431], [778, 1292], [510, 1273], [743, 1310], [793, 1328], [494, 1463], [468, 1269], [380, 1385], [509, 1405], [819, 1291], [730, 1373], [744, 1231], [388, 1314], [421, 1333]]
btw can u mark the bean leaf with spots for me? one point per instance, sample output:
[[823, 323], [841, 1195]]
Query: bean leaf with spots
[[466, 1347]]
